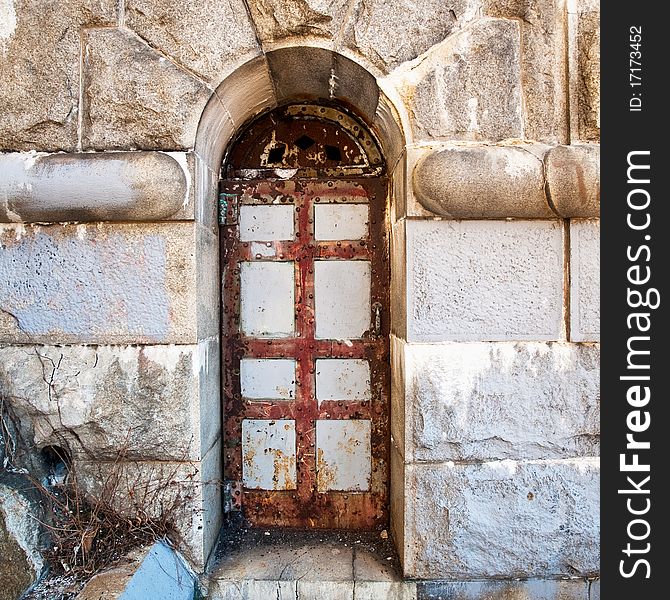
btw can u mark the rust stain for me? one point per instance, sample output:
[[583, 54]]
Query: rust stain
[[284, 466], [326, 474], [306, 502]]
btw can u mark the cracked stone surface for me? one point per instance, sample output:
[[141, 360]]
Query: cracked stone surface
[[136, 98], [39, 70], [543, 64], [286, 564], [279, 19], [389, 33], [206, 37], [99, 399], [502, 401], [468, 88]]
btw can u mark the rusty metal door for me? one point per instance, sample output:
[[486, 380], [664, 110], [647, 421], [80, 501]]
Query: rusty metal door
[[305, 297]]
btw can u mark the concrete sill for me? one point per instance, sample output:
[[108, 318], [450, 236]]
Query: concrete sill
[[281, 564]]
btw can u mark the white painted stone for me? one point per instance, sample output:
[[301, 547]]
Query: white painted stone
[[342, 379], [533, 589], [99, 283], [504, 400], [268, 454], [343, 455], [153, 402], [271, 378], [388, 590], [502, 519], [484, 280], [585, 280], [342, 298], [340, 221], [267, 297], [252, 589], [260, 223]]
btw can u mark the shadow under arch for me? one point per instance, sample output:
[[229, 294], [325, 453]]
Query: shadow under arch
[[290, 74]]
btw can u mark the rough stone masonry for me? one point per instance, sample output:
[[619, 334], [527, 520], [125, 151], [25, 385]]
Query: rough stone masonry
[[114, 118]]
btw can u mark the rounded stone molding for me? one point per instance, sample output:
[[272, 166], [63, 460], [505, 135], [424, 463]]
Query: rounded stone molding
[[509, 181], [479, 182], [573, 180], [109, 186]]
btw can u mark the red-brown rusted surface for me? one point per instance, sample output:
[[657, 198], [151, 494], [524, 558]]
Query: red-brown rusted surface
[[305, 506], [310, 139]]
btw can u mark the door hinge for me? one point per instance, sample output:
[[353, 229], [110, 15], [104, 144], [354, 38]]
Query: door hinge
[[232, 496], [227, 208]]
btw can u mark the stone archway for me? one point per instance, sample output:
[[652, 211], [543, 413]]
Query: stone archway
[[280, 76]]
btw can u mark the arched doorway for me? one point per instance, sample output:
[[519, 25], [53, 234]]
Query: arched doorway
[[305, 323]]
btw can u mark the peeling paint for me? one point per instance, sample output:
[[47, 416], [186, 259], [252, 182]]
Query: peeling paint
[[182, 159], [167, 356], [56, 283]]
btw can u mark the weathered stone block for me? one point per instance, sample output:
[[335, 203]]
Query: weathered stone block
[[20, 560], [98, 283], [484, 280], [316, 590], [469, 87], [134, 97], [148, 402], [119, 186], [586, 39], [585, 280], [573, 180], [39, 70], [543, 64], [186, 493], [278, 19], [390, 33], [574, 589], [502, 519], [483, 182], [253, 588], [397, 500], [388, 590], [205, 37], [525, 401]]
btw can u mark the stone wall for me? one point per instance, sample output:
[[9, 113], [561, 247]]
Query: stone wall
[[114, 120]]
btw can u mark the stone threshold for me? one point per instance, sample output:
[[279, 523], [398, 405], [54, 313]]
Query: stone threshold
[[284, 564]]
